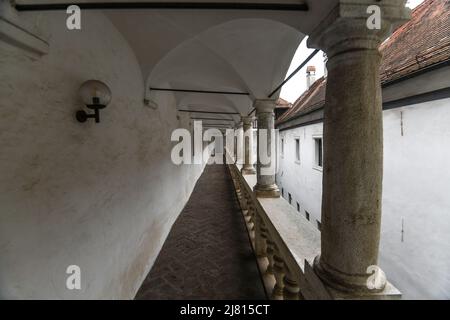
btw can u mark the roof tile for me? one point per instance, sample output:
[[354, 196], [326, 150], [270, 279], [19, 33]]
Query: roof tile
[[421, 42]]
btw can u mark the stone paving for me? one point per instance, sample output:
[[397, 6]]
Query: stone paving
[[207, 254]]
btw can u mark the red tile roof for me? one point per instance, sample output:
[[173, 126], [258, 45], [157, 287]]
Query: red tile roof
[[310, 100], [421, 42], [283, 104]]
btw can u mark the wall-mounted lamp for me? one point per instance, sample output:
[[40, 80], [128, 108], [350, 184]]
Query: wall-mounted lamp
[[96, 95]]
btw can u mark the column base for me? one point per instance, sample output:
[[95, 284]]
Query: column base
[[270, 191], [346, 283], [319, 290], [248, 170]]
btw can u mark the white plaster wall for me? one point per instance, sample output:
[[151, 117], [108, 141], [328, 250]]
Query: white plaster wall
[[101, 196], [416, 189], [301, 179]]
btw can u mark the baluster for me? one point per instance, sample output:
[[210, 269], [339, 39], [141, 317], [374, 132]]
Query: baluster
[[291, 289], [236, 186], [270, 254], [251, 218], [241, 195], [243, 202], [260, 238], [278, 271], [247, 212]]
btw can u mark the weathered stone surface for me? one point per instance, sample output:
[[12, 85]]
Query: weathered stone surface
[[266, 186], [353, 143], [248, 146], [99, 196]]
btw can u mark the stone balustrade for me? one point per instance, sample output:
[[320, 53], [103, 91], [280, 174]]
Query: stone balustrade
[[285, 244], [283, 240]]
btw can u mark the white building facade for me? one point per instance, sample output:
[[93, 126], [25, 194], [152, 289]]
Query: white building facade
[[415, 233]]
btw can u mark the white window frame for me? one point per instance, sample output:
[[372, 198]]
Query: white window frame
[[316, 153], [298, 154]]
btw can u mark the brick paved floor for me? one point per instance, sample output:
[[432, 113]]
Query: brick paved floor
[[207, 254]]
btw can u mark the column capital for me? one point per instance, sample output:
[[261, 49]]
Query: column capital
[[247, 120], [345, 29], [265, 105]]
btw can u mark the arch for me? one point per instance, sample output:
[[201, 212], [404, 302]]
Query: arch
[[245, 55], [247, 50]]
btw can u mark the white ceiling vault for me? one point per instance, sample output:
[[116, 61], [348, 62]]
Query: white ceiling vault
[[214, 50]]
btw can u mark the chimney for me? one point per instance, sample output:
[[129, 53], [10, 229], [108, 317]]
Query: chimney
[[310, 76]]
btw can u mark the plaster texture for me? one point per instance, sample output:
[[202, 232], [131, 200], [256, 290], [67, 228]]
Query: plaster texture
[[414, 225], [92, 195]]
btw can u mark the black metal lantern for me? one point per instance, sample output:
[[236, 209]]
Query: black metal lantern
[[96, 96]]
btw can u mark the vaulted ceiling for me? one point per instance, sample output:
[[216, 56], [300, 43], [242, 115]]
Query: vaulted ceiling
[[227, 50]]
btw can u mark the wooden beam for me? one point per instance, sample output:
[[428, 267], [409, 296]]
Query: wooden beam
[[215, 119], [165, 6], [212, 112], [201, 91]]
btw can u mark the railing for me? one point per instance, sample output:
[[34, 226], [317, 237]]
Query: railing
[[285, 242]]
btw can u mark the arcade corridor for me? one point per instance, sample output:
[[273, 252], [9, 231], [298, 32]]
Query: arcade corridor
[[93, 203], [207, 254]]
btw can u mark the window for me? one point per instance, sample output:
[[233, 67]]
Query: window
[[282, 192], [290, 198], [319, 225], [298, 207], [193, 142], [318, 145], [282, 147], [297, 150], [307, 215]]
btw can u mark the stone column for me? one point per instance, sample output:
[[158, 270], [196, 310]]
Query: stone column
[[248, 146], [235, 145], [239, 146], [265, 167], [353, 142]]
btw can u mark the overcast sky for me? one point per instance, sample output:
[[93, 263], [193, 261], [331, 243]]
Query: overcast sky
[[297, 85]]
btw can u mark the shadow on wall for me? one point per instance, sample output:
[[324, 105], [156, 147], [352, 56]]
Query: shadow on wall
[[92, 195]]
